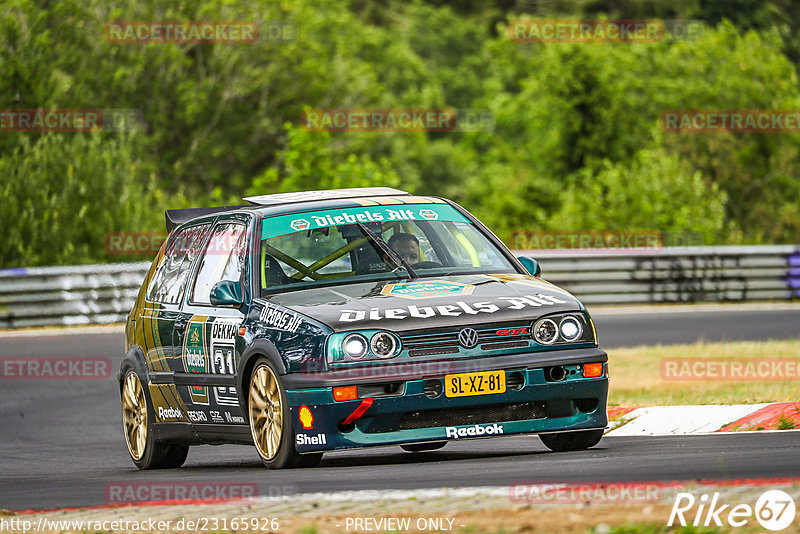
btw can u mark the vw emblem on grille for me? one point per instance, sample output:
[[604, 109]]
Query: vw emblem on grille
[[468, 338]]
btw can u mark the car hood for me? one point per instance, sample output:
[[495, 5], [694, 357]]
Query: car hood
[[430, 303]]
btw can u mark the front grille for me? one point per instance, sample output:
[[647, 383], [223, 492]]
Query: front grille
[[465, 416], [504, 345], [495, 337], [433, 352]]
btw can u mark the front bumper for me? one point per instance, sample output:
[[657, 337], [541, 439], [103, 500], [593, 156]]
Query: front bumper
[[411, 416]]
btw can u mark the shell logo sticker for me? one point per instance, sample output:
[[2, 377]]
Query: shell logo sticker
[[306, 418], [300, 224]]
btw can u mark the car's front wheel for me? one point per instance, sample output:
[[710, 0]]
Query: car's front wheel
[[572, 441], [270, 421], [137, 414]]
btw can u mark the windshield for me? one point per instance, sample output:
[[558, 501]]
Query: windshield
[[347, 245]]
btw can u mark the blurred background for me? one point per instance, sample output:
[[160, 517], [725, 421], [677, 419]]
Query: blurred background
[[576, 141]]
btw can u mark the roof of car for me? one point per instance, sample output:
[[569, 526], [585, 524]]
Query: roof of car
[[326, 194], [282, 203]]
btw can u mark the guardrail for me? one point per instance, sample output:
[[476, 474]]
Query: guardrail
[[98, 294], [86, 294], [669, 275]]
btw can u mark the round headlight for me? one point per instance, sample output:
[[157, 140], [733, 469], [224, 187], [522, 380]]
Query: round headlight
[[383, 345], [545, 331], [570, 328], [355, 346]]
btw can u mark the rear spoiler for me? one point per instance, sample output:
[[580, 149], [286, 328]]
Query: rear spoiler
[[176, 217]]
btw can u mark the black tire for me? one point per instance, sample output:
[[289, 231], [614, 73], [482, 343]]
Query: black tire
[[172, 456], [572, 441], [156, 455], [422, 447], [286, 455]]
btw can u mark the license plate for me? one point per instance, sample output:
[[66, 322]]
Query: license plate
[[467, 384]]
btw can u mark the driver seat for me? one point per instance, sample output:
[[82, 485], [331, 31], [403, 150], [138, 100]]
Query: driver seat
[[274, 275]]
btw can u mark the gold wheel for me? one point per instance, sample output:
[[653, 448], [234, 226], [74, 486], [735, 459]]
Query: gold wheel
[[134, 415], [266, 412]]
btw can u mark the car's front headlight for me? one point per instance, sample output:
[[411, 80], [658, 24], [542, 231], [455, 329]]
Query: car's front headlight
[[559, 329], [362, 346], [355, 346]]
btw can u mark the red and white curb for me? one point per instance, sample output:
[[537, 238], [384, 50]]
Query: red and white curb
[[671, 420]]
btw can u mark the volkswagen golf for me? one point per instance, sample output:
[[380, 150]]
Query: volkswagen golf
[[325, 320]]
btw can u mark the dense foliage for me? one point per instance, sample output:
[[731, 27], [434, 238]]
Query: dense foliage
[[576, 142]]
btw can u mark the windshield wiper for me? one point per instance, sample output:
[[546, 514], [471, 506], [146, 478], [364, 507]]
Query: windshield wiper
[[394, 256]]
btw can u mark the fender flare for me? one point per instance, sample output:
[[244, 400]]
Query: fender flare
[[134, 358], [260, 348]]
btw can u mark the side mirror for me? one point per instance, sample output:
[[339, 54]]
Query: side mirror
[[226, 293], [531, 265]]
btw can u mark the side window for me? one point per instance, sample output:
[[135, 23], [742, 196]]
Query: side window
[[223, 260], [172, 276]]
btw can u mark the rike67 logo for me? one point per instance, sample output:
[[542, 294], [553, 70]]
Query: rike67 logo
[[774, 510]]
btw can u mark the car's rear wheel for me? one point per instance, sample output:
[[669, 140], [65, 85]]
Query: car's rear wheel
[[571, 441], [422, 447], [270, 421], [137, 413]]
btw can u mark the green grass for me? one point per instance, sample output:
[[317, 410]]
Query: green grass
[[636, 375]]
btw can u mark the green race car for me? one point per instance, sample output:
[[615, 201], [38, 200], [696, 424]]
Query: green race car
[[325, 320]]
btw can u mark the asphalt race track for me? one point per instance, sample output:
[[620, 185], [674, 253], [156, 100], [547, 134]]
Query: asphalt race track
[[61, 442]]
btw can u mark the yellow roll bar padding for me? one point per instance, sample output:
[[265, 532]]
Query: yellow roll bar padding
[[263, 274], [333, 256], [310, 271], [288, 260], [470, 248]]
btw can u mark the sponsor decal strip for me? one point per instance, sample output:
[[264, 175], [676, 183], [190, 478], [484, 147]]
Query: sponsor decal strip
[[305, 439], [298, 222], [450, 310], [280, 318], [473, 431]]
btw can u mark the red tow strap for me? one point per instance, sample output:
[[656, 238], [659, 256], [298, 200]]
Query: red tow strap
[[363, 407]]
